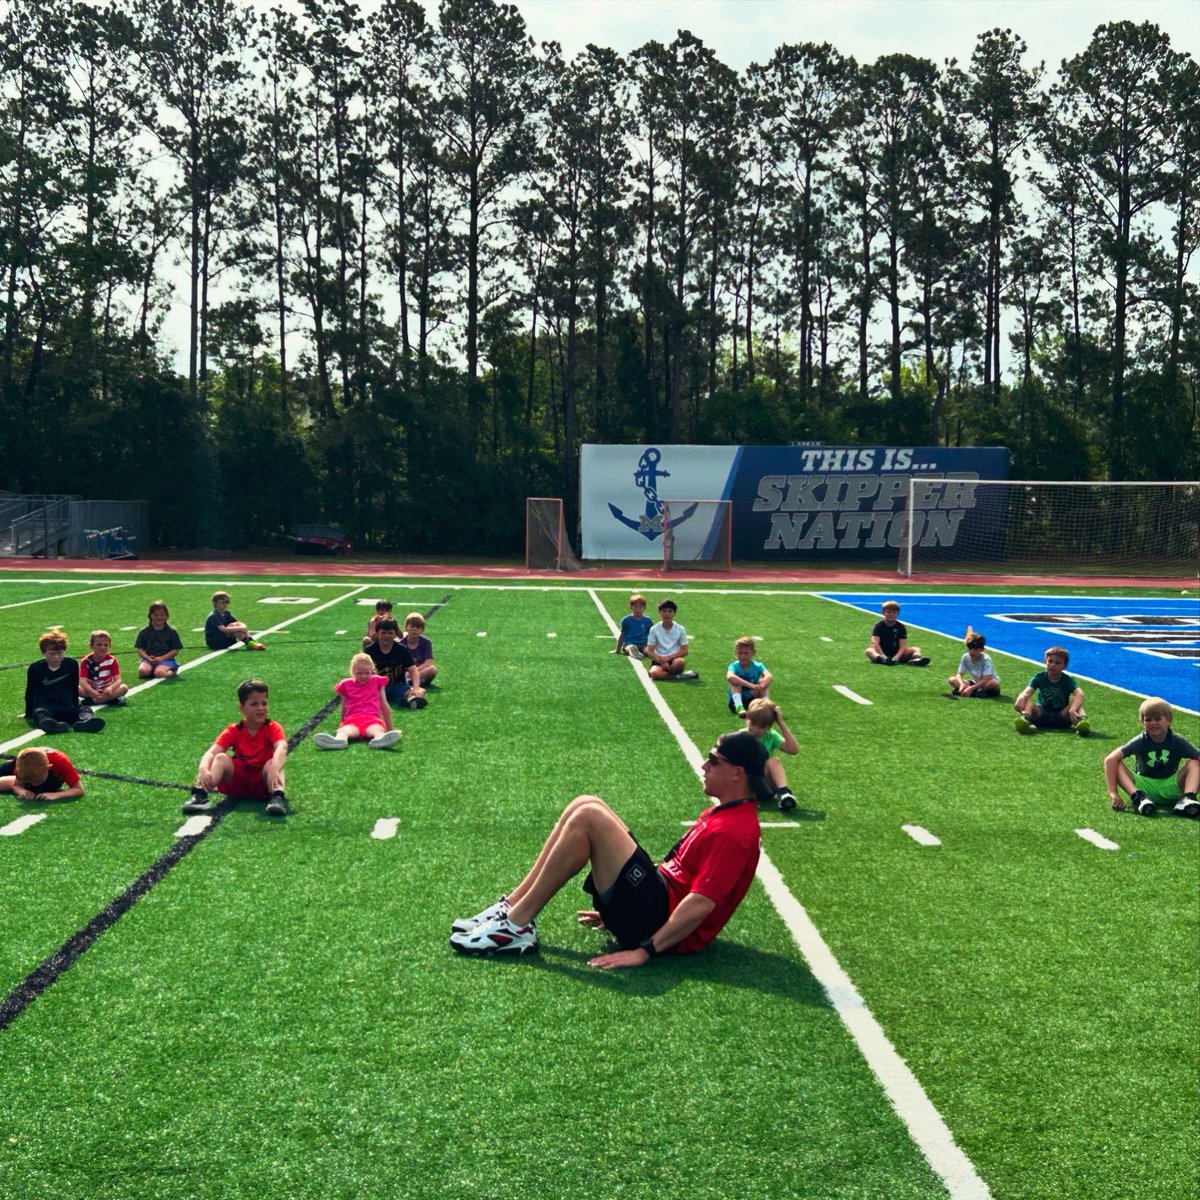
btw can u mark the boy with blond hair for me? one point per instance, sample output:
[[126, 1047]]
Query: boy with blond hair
[[1166, 766], [420, 647], [748, 679], [765, 722]]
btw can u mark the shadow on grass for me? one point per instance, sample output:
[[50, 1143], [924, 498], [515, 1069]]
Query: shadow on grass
[[729, 964]]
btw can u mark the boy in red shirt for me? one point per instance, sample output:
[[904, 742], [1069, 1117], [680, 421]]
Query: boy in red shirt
[[247, 758], [39, 774]]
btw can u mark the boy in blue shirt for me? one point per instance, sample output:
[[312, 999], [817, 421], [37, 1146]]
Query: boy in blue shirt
[[748, 679], [1059, 703], [634, 629], [223, 629]]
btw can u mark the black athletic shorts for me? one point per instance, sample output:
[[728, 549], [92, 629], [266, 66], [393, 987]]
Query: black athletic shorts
[[637, 904]]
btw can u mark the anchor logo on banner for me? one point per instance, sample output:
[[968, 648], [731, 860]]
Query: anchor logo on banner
[[650, 523]]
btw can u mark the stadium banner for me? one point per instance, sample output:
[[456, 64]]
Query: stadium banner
[[789, 502]]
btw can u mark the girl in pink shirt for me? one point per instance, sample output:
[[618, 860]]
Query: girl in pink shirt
[[365, 713]]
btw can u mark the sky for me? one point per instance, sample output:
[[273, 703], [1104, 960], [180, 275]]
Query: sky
[[746, 31]]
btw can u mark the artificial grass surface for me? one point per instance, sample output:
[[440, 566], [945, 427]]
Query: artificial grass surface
[[282, 1015]]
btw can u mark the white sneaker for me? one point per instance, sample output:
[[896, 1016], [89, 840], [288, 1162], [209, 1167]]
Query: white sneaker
[[1187, 808], [385, 740], [466, 924], [689, 675], [326, 741], [500, 936]]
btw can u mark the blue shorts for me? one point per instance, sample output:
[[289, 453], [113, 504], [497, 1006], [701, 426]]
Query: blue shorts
[[166, 662]]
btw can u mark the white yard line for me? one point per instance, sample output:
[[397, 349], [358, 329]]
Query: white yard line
[[64, 595], [845, 691], [1090, 835], [34, 734], [385, 828], [13, 828], [920, 835], [925, 1124]]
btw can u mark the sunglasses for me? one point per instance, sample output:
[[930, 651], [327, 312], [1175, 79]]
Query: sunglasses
[[714, 759]]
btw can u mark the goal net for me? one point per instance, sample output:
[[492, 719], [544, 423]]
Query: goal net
[[696, 535], [547, 547], [1045, 528]]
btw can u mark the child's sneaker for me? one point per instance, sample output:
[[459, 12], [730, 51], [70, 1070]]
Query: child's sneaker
[[1188, 806], [277, 804], [1083, 728], [466, 924], [88, 722], [255, 646], [198, 802], [1021, 725], [500, 936], [327, 741], [635, 652], [785, 800], [385, 740], [689, 675], [918, 662], [50, 725], [1143, 805], [120, 701]]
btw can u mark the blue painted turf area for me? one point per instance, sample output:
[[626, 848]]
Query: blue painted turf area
[[1147, 646]]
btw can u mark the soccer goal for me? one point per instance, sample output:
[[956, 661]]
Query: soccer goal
[[547, 547], [1042, 527], [697, 535]]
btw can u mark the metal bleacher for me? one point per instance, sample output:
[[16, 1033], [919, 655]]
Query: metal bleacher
[[44, 526]]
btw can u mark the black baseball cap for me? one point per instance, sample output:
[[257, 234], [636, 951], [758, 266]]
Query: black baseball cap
[[744, 750]]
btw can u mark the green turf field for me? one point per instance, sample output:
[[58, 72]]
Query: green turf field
[[281, 1016]]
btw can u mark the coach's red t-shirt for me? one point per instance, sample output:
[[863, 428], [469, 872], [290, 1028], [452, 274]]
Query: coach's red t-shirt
[[251, 751], [717, 858]]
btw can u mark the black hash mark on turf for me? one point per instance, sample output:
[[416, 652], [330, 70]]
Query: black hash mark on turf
[[183, 787], [440, 604], [39, 979]]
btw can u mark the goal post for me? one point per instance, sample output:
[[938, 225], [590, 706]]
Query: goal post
[[697, 535], [1048, 527], [547, 547]]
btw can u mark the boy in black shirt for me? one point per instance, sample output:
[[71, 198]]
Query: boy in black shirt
[[889, 641], [52, 690], [1167, 766]]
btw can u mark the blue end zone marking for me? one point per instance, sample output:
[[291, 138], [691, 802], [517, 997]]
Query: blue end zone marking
[[1149, 646]]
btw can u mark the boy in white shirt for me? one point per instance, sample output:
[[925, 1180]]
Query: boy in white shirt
[[667, 646], [976, 675]]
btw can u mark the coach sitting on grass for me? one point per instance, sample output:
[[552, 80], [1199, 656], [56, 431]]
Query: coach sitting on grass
[[674, 908]]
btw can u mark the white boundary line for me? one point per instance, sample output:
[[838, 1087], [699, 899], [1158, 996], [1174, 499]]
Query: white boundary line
[[385, 828], [925, 1125], [108, 587], [842, 690], [34, 734], [193, 826]]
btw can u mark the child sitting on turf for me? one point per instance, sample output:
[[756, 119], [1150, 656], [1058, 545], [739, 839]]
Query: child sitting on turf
[[634, 630], [364, 713], [765, 722], [667, 646], [100, 673], [37, 774], [1167, 766], [52, 690], [394, 662], [1059, 703], [247, 758], [420, 647], [889, 641], [158, 644], [748, 679], [383, 608], [975, 675], [223, 629]]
